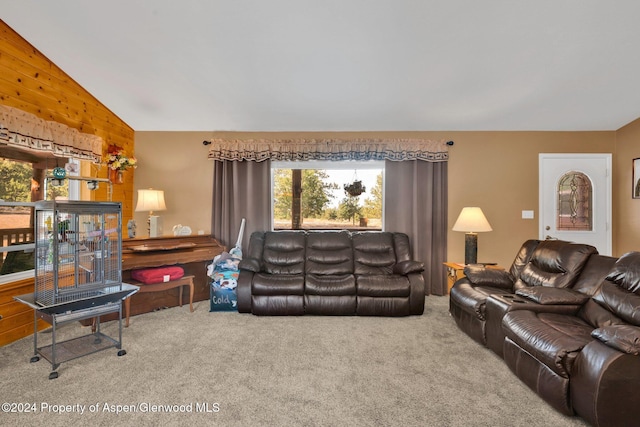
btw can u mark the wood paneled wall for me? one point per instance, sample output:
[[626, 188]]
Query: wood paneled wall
[[31, 82]]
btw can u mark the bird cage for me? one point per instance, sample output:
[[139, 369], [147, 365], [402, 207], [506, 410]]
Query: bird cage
[[78, 275], [78, 250]]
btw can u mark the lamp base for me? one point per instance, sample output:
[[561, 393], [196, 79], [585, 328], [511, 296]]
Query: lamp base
[[155, 226], [471, 248]]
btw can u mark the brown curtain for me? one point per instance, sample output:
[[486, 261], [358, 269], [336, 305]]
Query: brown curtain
[[241, 189], [416, 204], [415, 194]]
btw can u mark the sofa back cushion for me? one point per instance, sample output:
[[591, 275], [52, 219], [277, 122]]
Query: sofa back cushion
[[373, 252], [620, 292], [555, 263], [284, 252], [598, 316], [523, 257], [256, 246], [626, 272], [593, 274], [329, 253], [401, 247]]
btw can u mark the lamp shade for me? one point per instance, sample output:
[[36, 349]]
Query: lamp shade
[[150, 200], [472, 220]]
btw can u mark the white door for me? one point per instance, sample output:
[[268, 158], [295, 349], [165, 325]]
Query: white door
[[575, 199]]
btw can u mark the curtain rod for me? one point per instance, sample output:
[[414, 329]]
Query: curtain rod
[[205, 143]]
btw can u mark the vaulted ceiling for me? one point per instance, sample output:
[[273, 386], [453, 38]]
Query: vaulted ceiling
[[342, 65]]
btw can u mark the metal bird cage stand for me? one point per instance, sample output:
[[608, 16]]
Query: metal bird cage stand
[[78, 275]]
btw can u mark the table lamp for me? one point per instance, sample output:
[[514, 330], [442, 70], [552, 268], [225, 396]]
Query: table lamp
[[471, 221], [152, 200]]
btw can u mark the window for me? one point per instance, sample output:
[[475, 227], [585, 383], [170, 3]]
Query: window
[[575, 205], [21, 182], [316, 195]]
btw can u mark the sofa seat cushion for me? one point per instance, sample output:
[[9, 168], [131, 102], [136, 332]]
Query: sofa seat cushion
[[553, 339], [472, 299], [269, 284], [344, 284], [383, 285]]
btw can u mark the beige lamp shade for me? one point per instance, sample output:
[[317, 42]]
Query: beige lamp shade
[[472, 220], [150, 200]]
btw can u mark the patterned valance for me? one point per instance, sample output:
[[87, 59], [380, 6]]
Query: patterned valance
[[329, 149], [27, 132]]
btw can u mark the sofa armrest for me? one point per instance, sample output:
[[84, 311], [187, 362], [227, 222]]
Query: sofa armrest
[[417, 295], [243, 291], [604, 385], [407, 267], [250, 264], [556, 296], [482, 276], [624, 338]]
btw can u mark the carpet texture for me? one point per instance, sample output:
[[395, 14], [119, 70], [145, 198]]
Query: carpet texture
[[230, 369]]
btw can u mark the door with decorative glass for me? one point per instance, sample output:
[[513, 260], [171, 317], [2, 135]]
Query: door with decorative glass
[[575, 198]]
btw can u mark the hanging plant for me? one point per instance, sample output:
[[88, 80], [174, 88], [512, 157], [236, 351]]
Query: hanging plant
[[355, 188]]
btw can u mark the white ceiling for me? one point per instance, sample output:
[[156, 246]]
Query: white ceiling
[[347, 65]]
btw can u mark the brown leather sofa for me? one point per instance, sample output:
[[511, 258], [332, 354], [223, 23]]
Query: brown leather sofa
[[330, 273], [547, 263], [577, 346]]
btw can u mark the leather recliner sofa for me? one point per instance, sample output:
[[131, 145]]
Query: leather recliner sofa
[[330, 273], [547, 263], [576, 346]]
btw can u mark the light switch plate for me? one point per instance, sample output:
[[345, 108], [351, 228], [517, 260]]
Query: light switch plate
[[527, 215]]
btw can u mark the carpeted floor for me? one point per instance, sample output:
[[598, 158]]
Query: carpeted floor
[[228, 369]]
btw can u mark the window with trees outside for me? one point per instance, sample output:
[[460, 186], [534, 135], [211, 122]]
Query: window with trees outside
[[316, 195], [23, 181]]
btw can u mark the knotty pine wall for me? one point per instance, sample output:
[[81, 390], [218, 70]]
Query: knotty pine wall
[[31, 82]]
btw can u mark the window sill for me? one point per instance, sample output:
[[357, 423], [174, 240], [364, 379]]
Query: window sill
[[14, 277]]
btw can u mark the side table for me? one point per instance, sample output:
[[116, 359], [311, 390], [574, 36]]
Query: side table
[[455, 271]]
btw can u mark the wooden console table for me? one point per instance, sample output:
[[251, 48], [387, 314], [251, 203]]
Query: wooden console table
[[193, 253]]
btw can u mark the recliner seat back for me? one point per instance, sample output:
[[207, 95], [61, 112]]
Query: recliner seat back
[[373, 253], [329, 253], [554, 263], [620, 292], [523, 257], [284, 252]]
